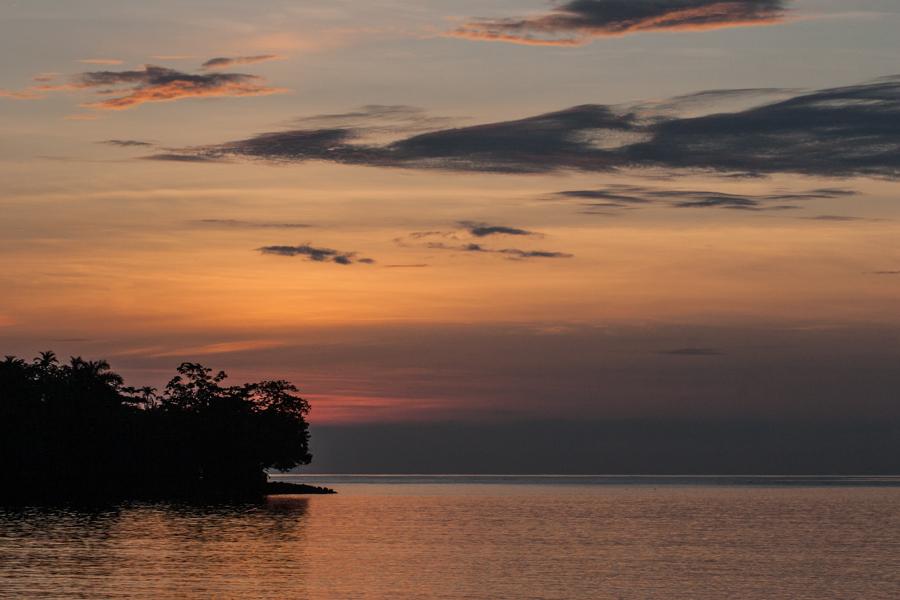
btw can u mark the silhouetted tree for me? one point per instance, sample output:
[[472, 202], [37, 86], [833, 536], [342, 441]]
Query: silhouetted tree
[[75, 429]]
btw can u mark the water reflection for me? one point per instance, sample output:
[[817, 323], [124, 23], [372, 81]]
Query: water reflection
[[623, 542], [159, 550]]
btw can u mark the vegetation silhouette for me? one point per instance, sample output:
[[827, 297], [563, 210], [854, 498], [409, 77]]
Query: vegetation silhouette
[[76, 430]]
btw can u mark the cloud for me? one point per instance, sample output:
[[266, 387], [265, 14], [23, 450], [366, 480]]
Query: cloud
[[378, 123], [885, 272], [126, 143], [577, 22], [176, 157], [484, 230], [45, 77], [632, 196], [101, 61], [119, 90], [161, 84], [710, 101], [26, 94], [478, 230], [239, 224], [692, 352], [834, 218], [513, 253], [224, 62], [316, 254], [837, 132]]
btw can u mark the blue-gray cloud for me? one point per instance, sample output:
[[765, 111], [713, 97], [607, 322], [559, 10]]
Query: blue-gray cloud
[[316, 254], [848, 131], [241, 224], [578, 21], [634, 196], [485, 230]]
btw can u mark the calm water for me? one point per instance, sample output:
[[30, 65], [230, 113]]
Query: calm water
[[475, 538]]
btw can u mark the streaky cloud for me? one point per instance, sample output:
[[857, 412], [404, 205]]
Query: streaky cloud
[[634, 197], [577, 22], [161, 84], [484, 229], [513, 253], [851, 131], [101, 61], [186, 158], [224, 62], [835, 218], [127, 143], [316, 254], [241, 224]]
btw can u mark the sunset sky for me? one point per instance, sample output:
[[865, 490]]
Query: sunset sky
[[458, 211]]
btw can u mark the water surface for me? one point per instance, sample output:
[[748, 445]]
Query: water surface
[[484, 537]]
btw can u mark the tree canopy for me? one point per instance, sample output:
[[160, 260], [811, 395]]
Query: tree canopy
[[74, 429]]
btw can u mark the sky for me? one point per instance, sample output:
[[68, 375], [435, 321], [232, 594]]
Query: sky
[[650, 222]]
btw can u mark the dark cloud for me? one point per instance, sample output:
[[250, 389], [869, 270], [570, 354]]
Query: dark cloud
[[578, 21], [316, 254], [378, 120], [885, 272], [120, 90], [709, 101], [849, 131], [126, 143], [484, 230], [513, 253], [239, 224], [473, 229], [835, 218], [188, 158], [692, 352], [161, 84], [631, 197], [224, 62]]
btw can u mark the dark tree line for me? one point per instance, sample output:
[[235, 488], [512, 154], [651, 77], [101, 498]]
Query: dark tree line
[[76, 429]]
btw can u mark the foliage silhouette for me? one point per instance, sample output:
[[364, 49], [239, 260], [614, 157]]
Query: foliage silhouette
[[76, 430]]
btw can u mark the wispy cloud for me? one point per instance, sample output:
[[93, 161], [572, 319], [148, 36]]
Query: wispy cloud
[[847, 131], [464, 239], [484, 229], [224, 62], [631, 197], [127, 143], [185, 158], [120, 90], [161, 84], [577, 22], [26, 94], [101, 61], [512, 253], [316, 254], [45, 77], [241, 224], [835, 218]]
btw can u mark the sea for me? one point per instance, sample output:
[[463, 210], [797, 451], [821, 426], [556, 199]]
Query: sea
[[458, 537]]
